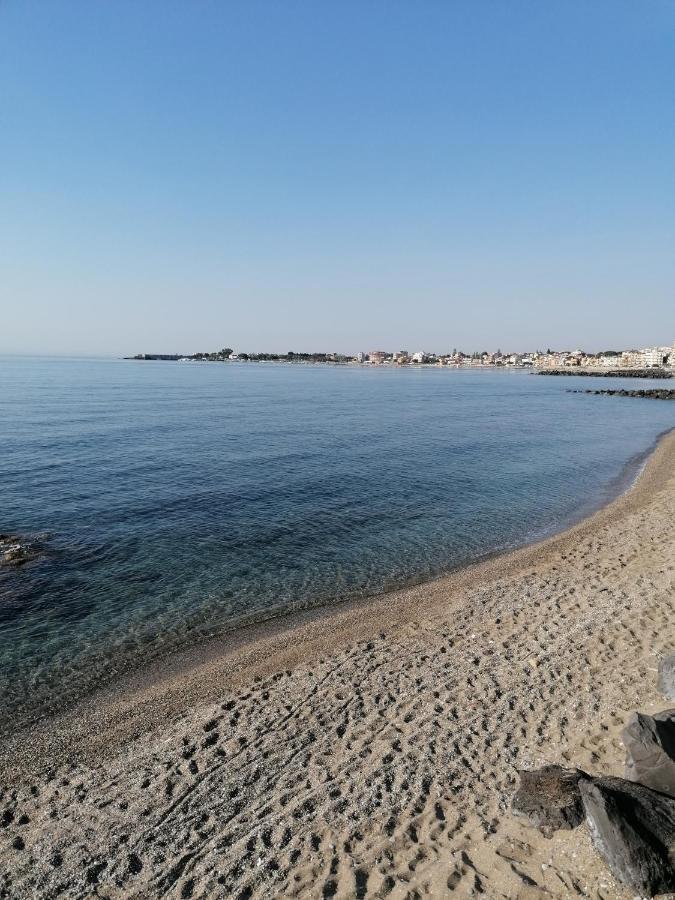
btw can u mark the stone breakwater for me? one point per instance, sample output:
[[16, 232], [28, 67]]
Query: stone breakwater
[[653, 394], [611, 373]]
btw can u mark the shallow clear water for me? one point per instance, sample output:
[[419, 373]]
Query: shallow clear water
[[180, 499]]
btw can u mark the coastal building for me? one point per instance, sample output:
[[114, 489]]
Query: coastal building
[[377, 357], [632, 359], [656, 356]]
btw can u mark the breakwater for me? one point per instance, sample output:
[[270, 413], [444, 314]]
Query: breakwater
[[611, 373], [654, 394]]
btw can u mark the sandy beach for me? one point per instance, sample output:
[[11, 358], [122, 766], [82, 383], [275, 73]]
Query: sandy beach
[[368, 751]]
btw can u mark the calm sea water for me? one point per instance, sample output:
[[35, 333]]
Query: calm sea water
[[178, 500]]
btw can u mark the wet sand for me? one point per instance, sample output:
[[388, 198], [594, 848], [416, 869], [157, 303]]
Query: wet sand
[[367, 751]]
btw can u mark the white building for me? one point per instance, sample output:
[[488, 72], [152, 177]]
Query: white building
[[632, 359], [656, 356]]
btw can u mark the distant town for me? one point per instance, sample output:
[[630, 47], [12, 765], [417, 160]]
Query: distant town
[[645, 358]]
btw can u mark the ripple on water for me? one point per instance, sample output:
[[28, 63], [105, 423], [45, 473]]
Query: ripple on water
[[183, 500]]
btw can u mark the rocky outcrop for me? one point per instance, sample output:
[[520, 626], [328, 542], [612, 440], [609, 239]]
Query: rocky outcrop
[[650, 750], [666, 679], [633, 829], [549, 798]]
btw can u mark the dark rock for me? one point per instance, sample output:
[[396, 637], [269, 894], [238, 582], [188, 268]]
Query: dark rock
[[633, 829], [549, 798], [15, 551], [666, 679], [650, 750]]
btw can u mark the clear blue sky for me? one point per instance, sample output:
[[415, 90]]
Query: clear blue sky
[[336, 176]]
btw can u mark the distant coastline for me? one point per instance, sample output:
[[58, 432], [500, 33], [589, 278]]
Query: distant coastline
[[631, 363]]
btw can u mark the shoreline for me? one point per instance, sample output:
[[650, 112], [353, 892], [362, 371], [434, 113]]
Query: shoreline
[[246, 630], [368, 751], [116, 704]]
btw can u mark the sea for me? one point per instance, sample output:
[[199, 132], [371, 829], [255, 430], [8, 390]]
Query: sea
[[171, 502]]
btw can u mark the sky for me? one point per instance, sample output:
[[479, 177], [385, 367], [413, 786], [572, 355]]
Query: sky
[[184, 176]]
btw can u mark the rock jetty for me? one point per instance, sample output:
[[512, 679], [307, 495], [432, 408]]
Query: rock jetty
[[610, 373], [651, 394]]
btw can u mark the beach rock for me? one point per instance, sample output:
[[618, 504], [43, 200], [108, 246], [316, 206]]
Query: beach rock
[[650, 750], [666, 679], [549, 798], [633, 829]]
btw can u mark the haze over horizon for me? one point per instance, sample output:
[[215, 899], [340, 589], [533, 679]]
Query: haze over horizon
[[339, 177]]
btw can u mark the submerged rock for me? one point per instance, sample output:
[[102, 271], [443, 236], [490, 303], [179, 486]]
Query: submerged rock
[[15, 551], [650, 750], [633, 829], [549, 798], [666, 679]]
